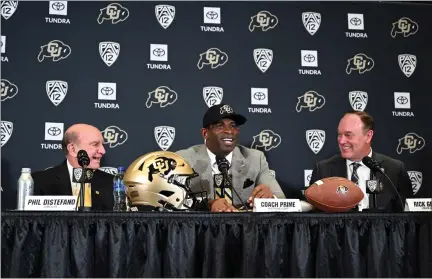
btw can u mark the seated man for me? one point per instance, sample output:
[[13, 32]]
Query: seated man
[[355, 133], [58, 180], [251, 177]]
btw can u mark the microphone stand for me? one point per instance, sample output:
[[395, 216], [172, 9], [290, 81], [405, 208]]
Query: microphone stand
[[82, 208]]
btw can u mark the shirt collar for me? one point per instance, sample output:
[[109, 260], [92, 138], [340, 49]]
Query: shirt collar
[[70, 169], [213, 157], [349, 162]]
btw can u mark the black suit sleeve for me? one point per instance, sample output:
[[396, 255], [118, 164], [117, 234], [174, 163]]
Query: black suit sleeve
[[37, 179], [316, 175]]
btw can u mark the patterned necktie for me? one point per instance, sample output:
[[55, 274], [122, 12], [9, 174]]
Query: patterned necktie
[[354, 175], [227, 193]]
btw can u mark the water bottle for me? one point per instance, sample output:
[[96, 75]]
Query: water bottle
[[119, 191], [25, 187]]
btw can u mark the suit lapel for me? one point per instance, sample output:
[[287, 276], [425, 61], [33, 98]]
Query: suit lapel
[[62, 182], [339, 168], [239, 170]]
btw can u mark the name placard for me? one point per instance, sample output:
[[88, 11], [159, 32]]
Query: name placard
[[419, 204], [277, 205], [50, 203]]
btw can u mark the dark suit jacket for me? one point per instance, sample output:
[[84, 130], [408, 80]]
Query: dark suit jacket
[[395, 170], [56, 182]]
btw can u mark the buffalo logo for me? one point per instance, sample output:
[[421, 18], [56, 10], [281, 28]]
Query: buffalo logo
[[212, 95], [358, 100], [264, 21], [56, 91], [8, 8], [114, 13], [162, 95], [226, 109], [266, 139], [315, 139], [416, 180], [8, 90], [360, 62], [311, 100], [114, 136], [109, 170], [6, 132], [109, 52], [164, 136], [162, 166], [341, 189], [411, 142], [77, 173], [263, 58], [218, 178], [214, 57], [407, 63], [55, 49], [165, 15], [311, 21], [404, 26]]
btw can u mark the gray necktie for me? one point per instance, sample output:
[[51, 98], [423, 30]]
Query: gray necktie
[[354, 175]]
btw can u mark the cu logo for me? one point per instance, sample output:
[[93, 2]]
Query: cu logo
[[158, 52], [309, 58], [259, 96], [58, 6], [54, 131], [212, 15], [107, 91], [402, 100], [355, 21]]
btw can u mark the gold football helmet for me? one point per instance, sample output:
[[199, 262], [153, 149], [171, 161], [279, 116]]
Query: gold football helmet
[[160, 179]]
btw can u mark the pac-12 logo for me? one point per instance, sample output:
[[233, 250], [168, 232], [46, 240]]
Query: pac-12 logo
[[164, 136], [315, 139]]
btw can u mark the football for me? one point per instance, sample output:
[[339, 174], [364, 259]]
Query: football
[[334, 194]]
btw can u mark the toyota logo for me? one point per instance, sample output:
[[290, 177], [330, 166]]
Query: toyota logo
[[402, 100], [54, 131], [355, 21], [158, 52], [309, 58], [212, 15], [107, 91], [259, 96], [58, 6]]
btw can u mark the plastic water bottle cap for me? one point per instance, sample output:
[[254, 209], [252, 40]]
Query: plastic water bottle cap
[[121, 169], [26, 170]]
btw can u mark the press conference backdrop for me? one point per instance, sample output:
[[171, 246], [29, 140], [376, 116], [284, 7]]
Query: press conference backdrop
[[144, 73]]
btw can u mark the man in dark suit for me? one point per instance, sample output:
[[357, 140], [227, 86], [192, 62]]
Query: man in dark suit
[[58, 180], [355, 133]]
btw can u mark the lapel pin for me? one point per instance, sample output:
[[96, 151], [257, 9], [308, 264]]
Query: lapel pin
[[97, 192]]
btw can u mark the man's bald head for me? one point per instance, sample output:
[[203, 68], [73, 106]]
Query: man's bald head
[[83, 137]]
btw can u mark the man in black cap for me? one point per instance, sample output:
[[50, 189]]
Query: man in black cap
[[251, 176]]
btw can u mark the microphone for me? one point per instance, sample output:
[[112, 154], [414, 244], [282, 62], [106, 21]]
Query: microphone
[[223, 167], [376, 168], [83, 161], [83, 158]]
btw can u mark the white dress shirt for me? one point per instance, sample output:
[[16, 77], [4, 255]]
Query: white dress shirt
[[363, 173]]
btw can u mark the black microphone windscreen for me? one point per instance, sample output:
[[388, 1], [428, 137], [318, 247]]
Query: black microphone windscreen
[[371, 163], [83, 158]]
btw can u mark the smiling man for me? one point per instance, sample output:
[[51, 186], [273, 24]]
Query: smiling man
[[251, 176], [355, 132], [57, 180]]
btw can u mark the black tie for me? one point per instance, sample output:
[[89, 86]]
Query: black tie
[[354, 176]]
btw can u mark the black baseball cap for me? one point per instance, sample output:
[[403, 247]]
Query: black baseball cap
[[221, 111]]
